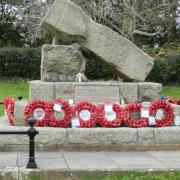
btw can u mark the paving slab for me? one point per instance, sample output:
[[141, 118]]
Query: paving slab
[[170, 158], [94, 161], [8, 160], [136, 161], [89, 161], [45, 160]]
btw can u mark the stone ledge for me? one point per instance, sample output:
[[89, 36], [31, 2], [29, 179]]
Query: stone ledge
[[96, 139], [130, 92]]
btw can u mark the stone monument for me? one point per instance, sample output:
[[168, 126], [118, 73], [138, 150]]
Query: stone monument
[[82, 38]]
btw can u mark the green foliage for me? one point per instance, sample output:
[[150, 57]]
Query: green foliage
[[166, 66], [173, 65], [14, 89], [20, 62], [159, 72], [95, 71]]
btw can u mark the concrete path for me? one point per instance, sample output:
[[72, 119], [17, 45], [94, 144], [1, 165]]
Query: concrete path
[[95, 161]]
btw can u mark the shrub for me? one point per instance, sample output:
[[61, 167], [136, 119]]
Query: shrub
[[95, 70], [173, 66], [20, 62], [159, 72]]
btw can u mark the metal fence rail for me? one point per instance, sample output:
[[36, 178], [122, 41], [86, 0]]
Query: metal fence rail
[[31, 132]]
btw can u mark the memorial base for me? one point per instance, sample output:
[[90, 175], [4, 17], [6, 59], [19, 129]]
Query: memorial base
[[96, 92]]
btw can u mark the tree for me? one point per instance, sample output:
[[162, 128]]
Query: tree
[[9, 29], [154, 19]]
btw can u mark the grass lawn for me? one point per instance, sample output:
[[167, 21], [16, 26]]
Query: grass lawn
[[21, 88], [140, 176], [13, 89], [169, 175], [173, 91], [133, 175]]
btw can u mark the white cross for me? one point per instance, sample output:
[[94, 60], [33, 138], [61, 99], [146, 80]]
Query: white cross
[[79, 75]]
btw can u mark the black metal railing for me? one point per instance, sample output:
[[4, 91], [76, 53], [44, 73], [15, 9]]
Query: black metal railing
[[31, 132]]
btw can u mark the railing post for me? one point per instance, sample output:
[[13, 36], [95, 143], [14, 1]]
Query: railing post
[[31, 133]]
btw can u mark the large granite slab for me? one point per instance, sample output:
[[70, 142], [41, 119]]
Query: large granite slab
[[68, 22]]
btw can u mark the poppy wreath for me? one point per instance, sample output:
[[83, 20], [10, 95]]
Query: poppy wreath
[[169, 112], [129, 121], [91, 109], [66, 109], [103, 120], [35, 106], [9, 107], [173, 100]]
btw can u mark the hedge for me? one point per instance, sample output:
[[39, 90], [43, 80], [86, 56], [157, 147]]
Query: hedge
[[25, 63], [166, 70], [20, 62]]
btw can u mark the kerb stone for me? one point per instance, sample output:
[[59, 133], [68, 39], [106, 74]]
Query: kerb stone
[[167, 135], [146, 135], [102, 136]]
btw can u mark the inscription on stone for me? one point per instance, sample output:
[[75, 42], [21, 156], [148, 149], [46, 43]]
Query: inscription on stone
[[97, 94]]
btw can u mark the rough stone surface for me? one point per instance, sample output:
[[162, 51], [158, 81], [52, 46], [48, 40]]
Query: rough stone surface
[[126, 60], [61, 63], [65, 90], [19, 112], [94, 138], [13, 139], [51, 136], [146, 136], [67, 21], [97, 94], [103, 136], [41, 90], [176, 109], [167, 135], [149, 91], [128, 92]]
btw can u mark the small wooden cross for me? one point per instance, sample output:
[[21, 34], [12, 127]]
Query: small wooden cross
[[79, 75]]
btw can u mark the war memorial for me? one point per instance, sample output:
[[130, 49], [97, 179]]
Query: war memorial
[[74, 113]]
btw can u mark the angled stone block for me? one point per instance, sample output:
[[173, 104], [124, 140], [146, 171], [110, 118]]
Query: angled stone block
[[117, 53], [66, 21]]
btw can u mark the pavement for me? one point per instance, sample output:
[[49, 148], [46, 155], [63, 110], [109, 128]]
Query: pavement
[[95, 161]]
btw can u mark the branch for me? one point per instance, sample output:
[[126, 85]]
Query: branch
[[145, 33]]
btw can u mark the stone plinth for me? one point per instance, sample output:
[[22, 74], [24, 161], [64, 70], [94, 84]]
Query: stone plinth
[[165, 138], [129, 92]]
